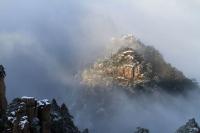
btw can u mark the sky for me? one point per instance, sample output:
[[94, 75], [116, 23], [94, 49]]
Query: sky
[[45, 44]]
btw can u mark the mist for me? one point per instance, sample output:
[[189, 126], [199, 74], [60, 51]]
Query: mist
[[115, 112], [45, 44]]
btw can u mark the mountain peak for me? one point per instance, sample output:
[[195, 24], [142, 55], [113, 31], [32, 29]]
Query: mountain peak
[[134, 64]]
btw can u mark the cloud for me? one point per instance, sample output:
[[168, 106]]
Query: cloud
[[12, 41], [113, 111], [44, 44]]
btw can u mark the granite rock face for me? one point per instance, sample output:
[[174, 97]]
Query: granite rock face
[[29, 115], [133, 64]]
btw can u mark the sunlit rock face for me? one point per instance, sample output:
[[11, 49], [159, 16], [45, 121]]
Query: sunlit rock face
[[133, 64]]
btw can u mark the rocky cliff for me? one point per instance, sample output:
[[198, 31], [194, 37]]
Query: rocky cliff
[[133, 64], [29, 115], [3, 101], [190, 127]]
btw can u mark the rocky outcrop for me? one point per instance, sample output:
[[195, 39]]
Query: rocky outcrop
[[134, 65], [3, 101], [124, 68], [29, 115], [190, 127], [141, 130]]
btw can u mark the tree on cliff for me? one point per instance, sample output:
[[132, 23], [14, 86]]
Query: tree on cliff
[[2, 72]]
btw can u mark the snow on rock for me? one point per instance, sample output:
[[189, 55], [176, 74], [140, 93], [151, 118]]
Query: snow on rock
[[141, 67], [26, 97], [43, 102], [27, 114], [23, 122]]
